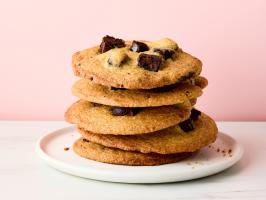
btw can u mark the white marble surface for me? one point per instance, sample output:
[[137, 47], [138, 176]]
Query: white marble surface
[[24, 176]]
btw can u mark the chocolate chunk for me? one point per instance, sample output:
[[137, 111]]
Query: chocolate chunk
[[166, 88], [114, 88], [166, 53], [149, 62], [187, 125], [195, 114], [139, 46], [109, 42], [120, 111]]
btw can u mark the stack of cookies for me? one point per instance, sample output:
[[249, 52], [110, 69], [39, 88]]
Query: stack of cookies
[[137, 103]]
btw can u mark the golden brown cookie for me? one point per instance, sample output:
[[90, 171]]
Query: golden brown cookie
[[104, 154], [99, 118], [174, 94], [200, 81], [119, 67], [166, 141]]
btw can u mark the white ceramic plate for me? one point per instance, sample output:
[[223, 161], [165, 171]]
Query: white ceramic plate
[[210, 160]]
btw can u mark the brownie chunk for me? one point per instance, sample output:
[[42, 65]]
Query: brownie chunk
[[195, 114], [166, 53], [187, 125], [149, 62], [139, 46], [120, 111], [109, 42]]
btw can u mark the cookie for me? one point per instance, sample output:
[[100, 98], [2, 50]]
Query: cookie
[[87, 90], [104, 154], [166, 141], [100, 118], [200, 81], [164, 63]]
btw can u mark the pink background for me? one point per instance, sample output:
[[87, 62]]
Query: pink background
[[37, 39]]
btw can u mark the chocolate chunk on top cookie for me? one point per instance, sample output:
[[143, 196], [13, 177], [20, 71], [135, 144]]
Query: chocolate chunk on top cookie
[[109, 42], [166, 53], [139, 46], [150, 62]]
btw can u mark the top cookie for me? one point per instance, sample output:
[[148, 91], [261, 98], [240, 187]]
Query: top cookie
[[135, 65]]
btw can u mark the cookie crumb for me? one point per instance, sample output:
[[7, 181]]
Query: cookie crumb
[[66, 148]]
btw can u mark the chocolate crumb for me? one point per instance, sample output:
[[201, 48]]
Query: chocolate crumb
[[66, 148], [139, 46], [218, 150], [223, 151], [230, 151], [150, 62]]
